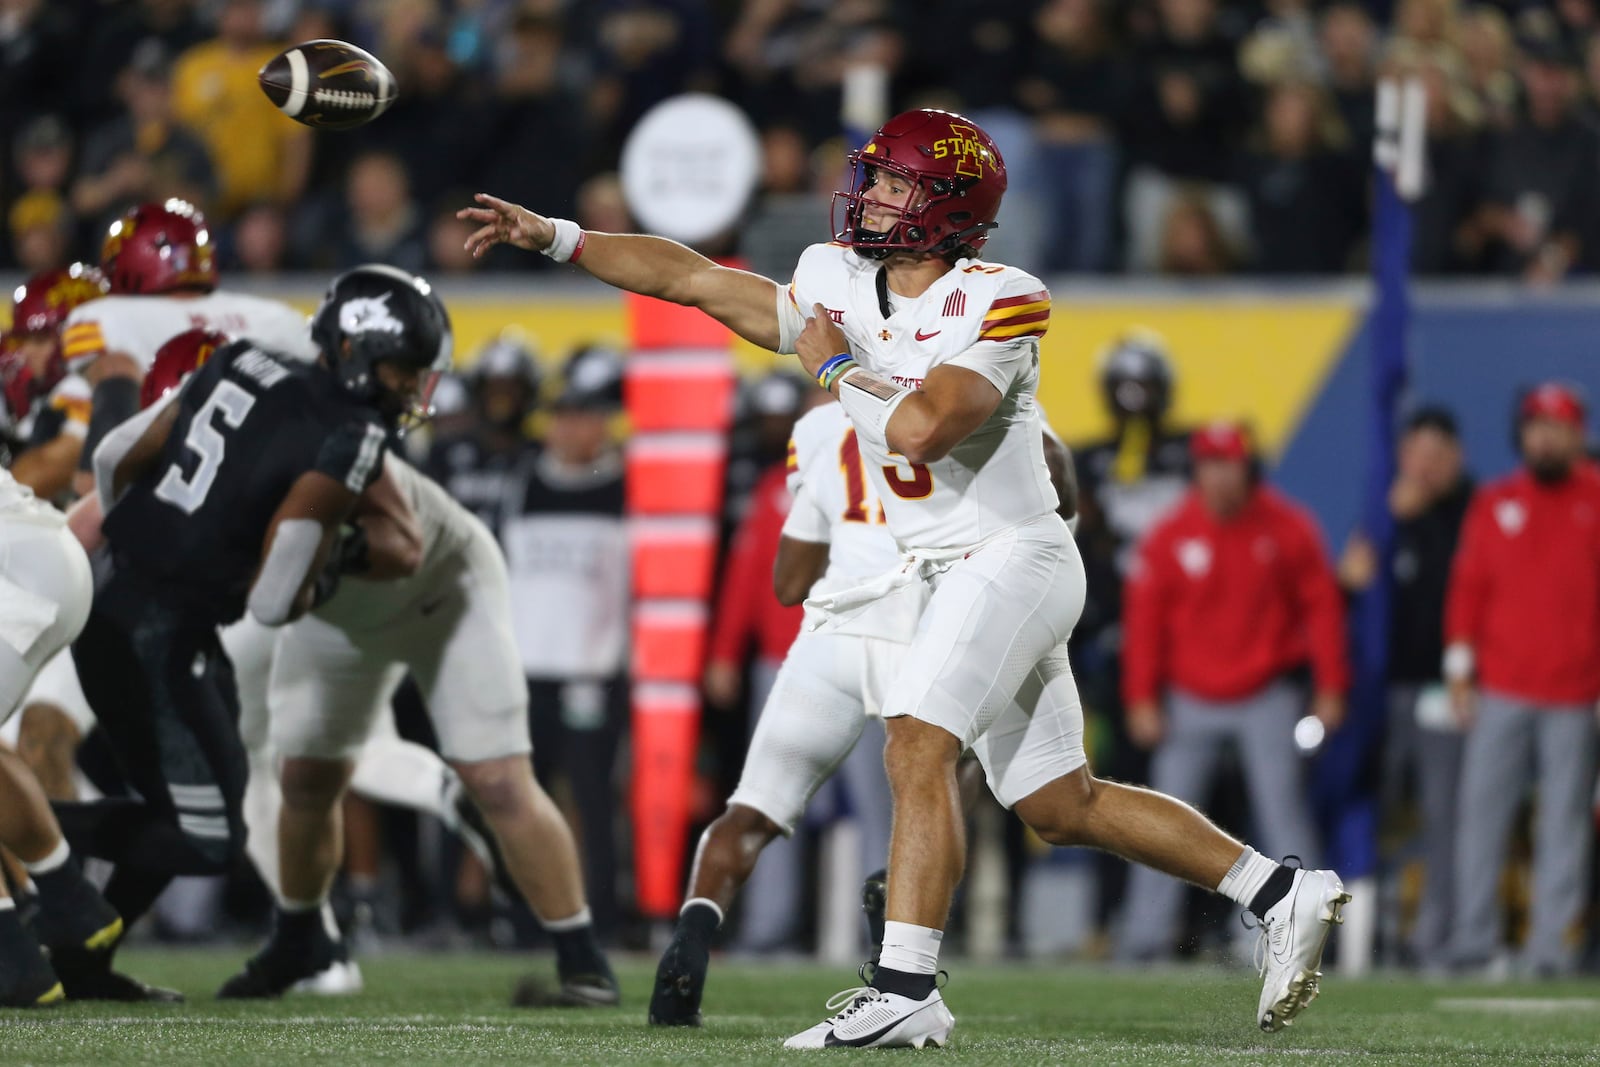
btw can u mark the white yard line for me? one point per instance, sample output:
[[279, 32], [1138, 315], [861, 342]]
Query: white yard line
[[1519, 1005]]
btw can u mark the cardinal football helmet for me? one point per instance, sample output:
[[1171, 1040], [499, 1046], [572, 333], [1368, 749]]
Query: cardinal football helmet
[[160, 248], [957, 179]]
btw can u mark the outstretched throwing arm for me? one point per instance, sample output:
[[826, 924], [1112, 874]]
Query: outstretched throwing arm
[[651, 266]]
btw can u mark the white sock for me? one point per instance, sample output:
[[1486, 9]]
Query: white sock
[[298, 907], [1246, 877], [572, 922], [7, 904], [56, 859], [706, 902], [910, 949]]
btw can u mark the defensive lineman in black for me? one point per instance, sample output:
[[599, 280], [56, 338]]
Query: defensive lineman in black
[[229, 495]]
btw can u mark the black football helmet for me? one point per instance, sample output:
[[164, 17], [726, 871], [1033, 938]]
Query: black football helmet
[[1136, 375], [378, 314], [591, 380]]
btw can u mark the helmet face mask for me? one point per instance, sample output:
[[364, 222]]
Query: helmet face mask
[[956, 179]]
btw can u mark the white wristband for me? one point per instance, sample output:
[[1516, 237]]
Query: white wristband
[[568, 237], [870, 400], [1458, 663]]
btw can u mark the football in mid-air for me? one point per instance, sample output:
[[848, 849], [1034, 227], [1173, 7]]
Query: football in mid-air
[[329, 85]]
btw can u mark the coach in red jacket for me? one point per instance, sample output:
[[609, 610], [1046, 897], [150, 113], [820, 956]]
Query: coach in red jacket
[[1522, 657], [1227, 598]]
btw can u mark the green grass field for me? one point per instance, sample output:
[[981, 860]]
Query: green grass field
[[452, 1010]]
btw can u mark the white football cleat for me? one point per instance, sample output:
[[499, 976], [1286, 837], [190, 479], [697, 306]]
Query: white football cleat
[[1289, 952], [342, 978], [868, 1018]]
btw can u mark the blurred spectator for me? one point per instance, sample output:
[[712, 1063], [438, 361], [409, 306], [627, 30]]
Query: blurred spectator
[[477, 463], [1192, 240], [439, 126], [539, 142], [1188, 98], [787, 59], [1487, 51], [1428, 24], [1442, 232], [39, 64], [1522, 627], [259, 241], [447, 240], [1076, 88], [1283, 46], [1307, 193], [567, 552], [785, 161], [1230, 595], [1349, 44], [383, 224], [646, 51], [1579, 19], [258, 154], [117, 31], [144, 153], [1539, 217], [603, 206], [40, 231], [43, 155], [1422, 746]]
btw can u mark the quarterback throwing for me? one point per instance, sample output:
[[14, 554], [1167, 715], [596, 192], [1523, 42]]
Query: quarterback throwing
[[934, 356]]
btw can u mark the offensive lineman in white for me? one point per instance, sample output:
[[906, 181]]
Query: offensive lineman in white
[[951, 429], [333, 675]]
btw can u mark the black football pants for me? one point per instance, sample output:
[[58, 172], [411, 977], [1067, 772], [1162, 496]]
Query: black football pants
[[163, 691]]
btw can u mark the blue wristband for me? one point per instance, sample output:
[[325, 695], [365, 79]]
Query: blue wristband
[[833, 361]]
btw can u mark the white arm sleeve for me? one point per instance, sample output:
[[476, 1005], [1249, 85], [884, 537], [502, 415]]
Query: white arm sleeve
[[807, 521], [118, 443], [283, 572], [790, 322]]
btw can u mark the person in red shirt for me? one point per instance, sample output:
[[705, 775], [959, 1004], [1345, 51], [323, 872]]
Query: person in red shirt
[[1522, 659], [1228, 597]]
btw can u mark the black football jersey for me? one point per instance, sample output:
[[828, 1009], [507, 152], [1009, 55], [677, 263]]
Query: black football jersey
[[480, 479], [249, 424]]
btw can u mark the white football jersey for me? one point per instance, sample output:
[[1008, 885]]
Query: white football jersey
[[360, 604], [835, 503], [139, 325], [982, 316]]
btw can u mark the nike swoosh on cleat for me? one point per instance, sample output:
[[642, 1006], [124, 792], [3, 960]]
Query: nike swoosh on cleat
[[866, 1039], [925, 336]]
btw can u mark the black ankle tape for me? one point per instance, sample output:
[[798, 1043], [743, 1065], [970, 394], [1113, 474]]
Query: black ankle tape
[[915, 986]]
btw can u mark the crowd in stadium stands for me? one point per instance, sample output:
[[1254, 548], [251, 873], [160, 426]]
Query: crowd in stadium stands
[[1189, 138]]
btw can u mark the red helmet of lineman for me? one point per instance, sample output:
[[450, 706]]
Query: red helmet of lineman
[[39, 309], [176, 360], [160, 248], [957, 179]]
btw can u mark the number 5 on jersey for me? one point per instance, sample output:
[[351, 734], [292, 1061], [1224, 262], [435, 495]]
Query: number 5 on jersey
[[917, 487], [206, 441]]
